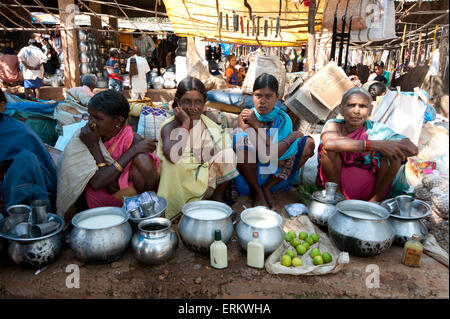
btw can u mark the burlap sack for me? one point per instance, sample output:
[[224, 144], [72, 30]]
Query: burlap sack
[[260, 64], [302, 223]]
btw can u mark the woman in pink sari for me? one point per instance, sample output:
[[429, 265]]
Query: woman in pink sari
[[135, 168], [361, 156]]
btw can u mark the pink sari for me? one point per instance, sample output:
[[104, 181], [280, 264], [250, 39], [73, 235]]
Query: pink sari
[[116, 146], [357, 179]]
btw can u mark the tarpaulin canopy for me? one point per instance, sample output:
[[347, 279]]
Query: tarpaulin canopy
[[201, 18]]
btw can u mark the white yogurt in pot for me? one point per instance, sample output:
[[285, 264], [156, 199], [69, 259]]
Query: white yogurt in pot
[[207, 214], [101, 221], [259, 219]]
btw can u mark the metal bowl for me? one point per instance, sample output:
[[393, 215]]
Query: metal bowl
[[104, 244], [159, 210], [361, 228], [35, 252], [404, 226]]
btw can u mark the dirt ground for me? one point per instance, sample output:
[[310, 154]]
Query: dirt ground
[[188, 275]]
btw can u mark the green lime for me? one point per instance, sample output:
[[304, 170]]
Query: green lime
[[290, 235], [303, 235], [327, 257], [314, 237], [315, 252], [305, 243], [301, 250], [297, 262], [286, 260], [295, 242], [290, 253], [309, 240], [318, 260]]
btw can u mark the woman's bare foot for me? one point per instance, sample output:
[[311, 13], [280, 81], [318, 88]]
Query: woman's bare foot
[[259, 199]]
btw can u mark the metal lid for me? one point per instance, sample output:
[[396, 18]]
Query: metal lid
[[255, 234], [415, 237], [320, 196]]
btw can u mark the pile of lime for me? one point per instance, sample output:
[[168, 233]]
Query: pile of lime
[[302, 243]]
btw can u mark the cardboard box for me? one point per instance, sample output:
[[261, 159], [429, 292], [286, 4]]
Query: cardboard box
[[329, 85]]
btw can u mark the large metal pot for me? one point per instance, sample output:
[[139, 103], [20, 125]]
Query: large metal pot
[[198, 233], [35, 252], [154, 242], [264, 221], [84, 57], [406, 226], [321, 208], [83, 46], [361, 228], [100, 245], [82, 35]]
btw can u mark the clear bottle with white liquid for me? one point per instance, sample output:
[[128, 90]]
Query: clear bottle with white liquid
[[218, 252], [255, 252]]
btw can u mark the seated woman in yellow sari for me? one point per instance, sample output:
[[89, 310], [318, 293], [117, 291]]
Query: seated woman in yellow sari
[[105, 159], [197, 160]]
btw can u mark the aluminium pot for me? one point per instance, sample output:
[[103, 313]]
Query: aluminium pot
[[406, 226], [264, 221], [35, 252], [100, 245], [154, 242], [196, 232], [361, 228], [321, 208]]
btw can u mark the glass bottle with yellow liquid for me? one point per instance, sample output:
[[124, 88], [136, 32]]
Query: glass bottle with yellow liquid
[[412, 252]]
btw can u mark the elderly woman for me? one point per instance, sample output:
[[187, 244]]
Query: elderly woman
[[197, 159], [105, 160], [269, 151], [361, 156]]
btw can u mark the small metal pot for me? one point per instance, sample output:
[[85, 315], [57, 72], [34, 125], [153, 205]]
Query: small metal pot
[[406, 226], [197, 234], [321, 208], [270, 233], [35, 252], [100, 245], [154, 242], [361, 228]]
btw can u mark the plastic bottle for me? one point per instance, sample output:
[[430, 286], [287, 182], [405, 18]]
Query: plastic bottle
[[218, 252], [255, 252], [412, 252]]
